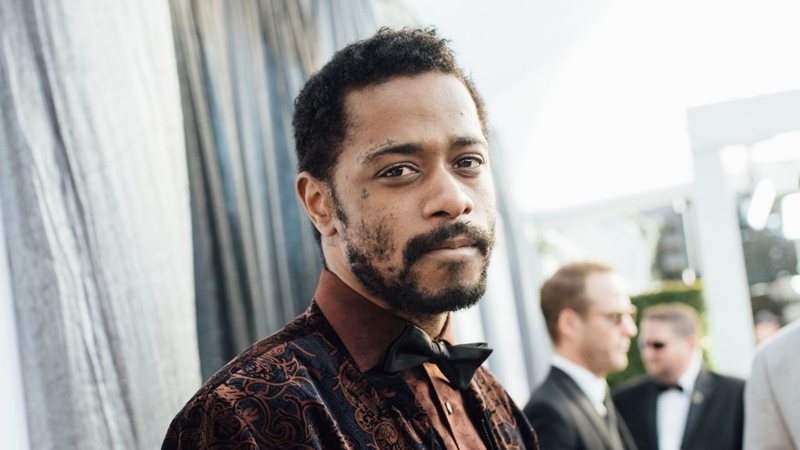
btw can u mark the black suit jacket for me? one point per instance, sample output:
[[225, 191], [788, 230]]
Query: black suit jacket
[[564, 418], [715, 420]]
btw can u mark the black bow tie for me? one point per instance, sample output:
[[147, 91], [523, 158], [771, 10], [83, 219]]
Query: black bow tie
[[413, 347], [663, 387]]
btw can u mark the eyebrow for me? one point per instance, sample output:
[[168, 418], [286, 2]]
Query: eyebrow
[[416, 149], [403, 149], [466, 141]]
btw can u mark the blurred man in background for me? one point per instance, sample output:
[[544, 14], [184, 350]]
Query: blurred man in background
[[765, 324], [395, 176], [590, 320], [680, 405], [772, 395]]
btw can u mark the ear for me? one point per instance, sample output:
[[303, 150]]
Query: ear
[[693, 342], [569, 322], [315, 196]]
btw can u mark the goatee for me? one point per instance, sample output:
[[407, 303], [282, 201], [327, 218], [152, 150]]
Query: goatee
[[402, 291]]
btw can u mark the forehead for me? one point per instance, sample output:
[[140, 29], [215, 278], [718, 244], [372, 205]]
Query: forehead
[[654, 328], [606, 289], [414, 109]]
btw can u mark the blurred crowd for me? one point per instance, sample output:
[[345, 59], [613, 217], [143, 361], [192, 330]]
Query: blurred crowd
[[680, 403]]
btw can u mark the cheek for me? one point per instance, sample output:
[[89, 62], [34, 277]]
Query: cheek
[[601, 341], [490, 197], [377, 240], [484, 201], [676, 357], [377, 236]]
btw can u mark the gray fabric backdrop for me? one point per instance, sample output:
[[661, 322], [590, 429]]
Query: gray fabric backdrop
[[97, 223]]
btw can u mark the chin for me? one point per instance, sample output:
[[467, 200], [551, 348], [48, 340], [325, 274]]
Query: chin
[[620, 365], [424, 287], [451, 272], [442, 286]]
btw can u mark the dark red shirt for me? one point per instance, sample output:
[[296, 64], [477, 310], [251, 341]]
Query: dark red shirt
[[367, 330]]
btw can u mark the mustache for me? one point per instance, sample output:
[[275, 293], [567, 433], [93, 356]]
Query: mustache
[[482, 239]]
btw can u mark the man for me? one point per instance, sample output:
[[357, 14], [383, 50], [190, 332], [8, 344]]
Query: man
[[590, 320], [394, 175], [766, 324], [772, 397], [680, 404]]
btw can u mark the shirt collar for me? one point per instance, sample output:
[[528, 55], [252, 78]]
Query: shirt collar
[[593, 386], [687, 380], [365, 329]]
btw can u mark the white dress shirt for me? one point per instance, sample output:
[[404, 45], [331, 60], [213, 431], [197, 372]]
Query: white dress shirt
[[593, 386], [672, 408]]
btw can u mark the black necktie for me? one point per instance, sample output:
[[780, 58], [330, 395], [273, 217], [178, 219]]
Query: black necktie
[[663, 387], [413, 347]]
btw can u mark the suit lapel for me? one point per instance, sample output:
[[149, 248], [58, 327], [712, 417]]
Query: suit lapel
[[624, 433], [703, 387], [614, 424], [574, 392], [650, 406]]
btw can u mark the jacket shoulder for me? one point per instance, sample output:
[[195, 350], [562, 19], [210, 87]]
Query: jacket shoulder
[[728, 383], [728, 379], [547, 397], [632, 389], [288, 371], [548, 411], [284, 355]]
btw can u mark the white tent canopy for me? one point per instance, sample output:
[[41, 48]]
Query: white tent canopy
[[589, 99]]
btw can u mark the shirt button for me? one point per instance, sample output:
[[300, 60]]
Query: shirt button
[[448, 407]]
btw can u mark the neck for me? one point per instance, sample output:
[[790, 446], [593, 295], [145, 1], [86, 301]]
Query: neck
[[430, 324], [696, 358], [578, 359]]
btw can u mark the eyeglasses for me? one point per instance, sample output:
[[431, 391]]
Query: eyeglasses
[[617, 317], [655, 345]]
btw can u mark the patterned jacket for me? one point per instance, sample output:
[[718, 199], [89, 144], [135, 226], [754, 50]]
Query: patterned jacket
[[299, 388]]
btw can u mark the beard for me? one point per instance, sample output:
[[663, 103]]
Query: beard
[[401, 287]]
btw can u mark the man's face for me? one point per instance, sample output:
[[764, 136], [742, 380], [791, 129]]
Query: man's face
[[665, 355], [607, 324], [414, 194]]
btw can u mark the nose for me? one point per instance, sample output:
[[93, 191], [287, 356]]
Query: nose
[[646, 353], [447, 197], [629, 325]]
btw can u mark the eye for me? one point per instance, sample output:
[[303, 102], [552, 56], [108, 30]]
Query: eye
[[616, 318], [469, 162], [397, 171]]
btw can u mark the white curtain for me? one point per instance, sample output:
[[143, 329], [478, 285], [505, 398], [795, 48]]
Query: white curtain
[[97, 224]]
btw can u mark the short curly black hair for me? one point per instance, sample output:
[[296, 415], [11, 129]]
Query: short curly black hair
[[320, 121]]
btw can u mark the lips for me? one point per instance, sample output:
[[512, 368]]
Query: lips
[[456, 237], [454, 243]]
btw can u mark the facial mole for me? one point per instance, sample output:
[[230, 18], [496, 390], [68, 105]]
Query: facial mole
[[364, 194]]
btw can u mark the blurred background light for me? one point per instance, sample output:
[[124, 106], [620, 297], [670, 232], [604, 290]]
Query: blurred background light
[[790, 207], [761, 204]]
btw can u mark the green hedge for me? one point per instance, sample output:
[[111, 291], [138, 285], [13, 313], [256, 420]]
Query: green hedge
[[670, 292]]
